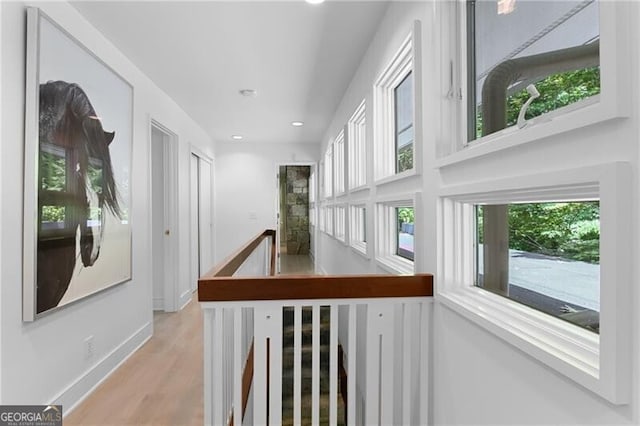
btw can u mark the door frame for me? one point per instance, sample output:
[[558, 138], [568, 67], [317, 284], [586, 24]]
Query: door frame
[[170, 213], [194, 151], [314, 168]]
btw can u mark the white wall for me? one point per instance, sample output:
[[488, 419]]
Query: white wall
[[478, 379], [43, 362], [333, 256], [246, 189]]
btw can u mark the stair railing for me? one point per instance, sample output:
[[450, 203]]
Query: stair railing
[[381, 322]]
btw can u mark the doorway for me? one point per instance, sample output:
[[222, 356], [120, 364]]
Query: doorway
[[294, 240], [164, 230], [201, 217]]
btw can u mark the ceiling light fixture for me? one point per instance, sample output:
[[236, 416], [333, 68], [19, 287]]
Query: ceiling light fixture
[[314, 1], [297, 123], [249, 93], [236, 137]]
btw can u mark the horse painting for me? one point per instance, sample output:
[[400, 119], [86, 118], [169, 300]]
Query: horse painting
[[76, 188]]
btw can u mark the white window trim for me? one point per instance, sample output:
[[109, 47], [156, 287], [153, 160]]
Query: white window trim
[[600, 363], [355, 225], [407, 59], [339, 164], [386, 233], [329, 220], [340, 220], [357, 148], [328, 172], [613, 101], [322, 218], [312, 186], [312, 214]]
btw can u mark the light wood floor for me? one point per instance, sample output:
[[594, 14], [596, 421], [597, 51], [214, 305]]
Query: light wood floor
[[162, 383]]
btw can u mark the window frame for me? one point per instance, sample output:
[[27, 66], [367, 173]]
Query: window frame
[[328, 172], [339, 164], [357, 241], [329, 220], [600, 363], [407, 59], [614, 100], [340, 223], [386, 230], [322, 218], [357, 148]]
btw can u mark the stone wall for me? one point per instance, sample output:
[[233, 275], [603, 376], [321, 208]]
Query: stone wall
[[297, 209]]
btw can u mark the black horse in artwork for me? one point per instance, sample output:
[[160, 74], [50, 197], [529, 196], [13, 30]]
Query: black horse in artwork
[[76, 184]]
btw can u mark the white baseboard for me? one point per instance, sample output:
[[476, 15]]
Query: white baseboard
[[158, 304], [185, 298], [80, 389]]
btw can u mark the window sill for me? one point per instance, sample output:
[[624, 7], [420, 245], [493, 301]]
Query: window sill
[[580, 114], [407, 174], [359, 189], [396, 264], [361, 249]]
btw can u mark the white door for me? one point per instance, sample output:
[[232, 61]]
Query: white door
[[157, 218], [194, 184], [205, 216], [164, 232]]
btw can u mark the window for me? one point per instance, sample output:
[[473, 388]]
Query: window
[[312, 185], [357, 144], [395, 245], [527, 238], [328, 172], [358, 228], [396, 103], [322, 219], [501, 67], [543, 255], [340, 216], [404, 229], [403, 106], [329, 220], [312, 214], [338, 158]]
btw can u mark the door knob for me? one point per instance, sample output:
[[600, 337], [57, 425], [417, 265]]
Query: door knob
[[167, 232]]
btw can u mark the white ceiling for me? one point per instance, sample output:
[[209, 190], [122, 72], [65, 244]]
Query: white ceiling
[[299, 57]]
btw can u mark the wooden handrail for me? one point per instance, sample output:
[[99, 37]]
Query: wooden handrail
[[223, 289], [230, 265]]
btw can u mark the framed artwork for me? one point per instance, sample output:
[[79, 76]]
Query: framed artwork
[[78, 137]]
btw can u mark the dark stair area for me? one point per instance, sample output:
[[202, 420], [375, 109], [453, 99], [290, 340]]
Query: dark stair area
[[306, 385]]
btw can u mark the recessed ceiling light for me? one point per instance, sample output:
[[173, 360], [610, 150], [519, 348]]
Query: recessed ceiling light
[[250, 93], [314, 1], [236, 137], [297, 123]]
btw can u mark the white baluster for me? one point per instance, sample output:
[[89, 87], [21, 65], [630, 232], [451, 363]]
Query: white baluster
[[260, 366], [208, 366], [425, 333], [351, 369], [333, 365], [238, 366], [275, 369], [297, 365], [218, 405], [315, 366]]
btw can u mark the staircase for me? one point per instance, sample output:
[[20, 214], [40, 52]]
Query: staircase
[[287, 368]]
